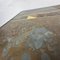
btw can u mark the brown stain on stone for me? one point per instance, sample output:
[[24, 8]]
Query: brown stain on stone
[[12, 29]]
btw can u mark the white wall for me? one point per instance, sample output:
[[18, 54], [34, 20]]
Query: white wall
[[10, 8]]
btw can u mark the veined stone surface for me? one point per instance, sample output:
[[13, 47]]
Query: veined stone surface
[[37, 38]]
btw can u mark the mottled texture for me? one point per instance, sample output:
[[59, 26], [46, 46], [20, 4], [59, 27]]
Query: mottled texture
[[31, 39]]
